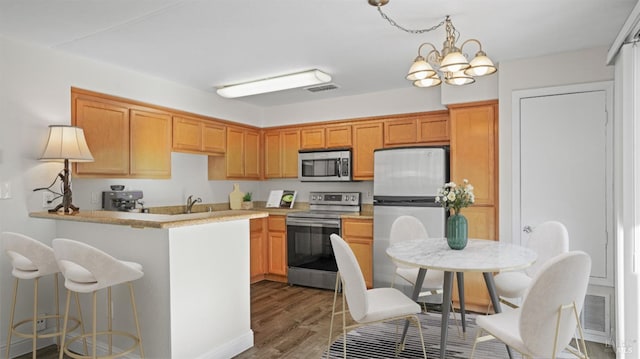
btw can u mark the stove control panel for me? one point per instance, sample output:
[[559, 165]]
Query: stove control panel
[[335, 198]]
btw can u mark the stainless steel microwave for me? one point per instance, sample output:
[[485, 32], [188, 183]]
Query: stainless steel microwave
[[324, 165]]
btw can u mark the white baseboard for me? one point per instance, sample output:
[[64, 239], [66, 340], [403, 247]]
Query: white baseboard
[[231, 348]]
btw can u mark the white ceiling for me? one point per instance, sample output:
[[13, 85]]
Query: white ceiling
[[209, 43]]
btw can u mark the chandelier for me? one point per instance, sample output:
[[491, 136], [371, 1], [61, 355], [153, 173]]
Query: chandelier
[[448, 64]]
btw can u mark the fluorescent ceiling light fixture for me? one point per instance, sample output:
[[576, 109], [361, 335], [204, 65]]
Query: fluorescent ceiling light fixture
[[273, 84]]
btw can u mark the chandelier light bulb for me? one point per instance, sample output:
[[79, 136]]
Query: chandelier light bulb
[[458, 78], [428, 82]]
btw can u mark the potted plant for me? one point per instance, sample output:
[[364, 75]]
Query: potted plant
[[246, 201]]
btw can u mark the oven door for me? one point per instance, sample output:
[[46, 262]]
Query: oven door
[[310, 257]]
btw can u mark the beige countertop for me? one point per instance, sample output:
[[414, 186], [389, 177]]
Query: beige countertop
[[149, 220], [172, 216]]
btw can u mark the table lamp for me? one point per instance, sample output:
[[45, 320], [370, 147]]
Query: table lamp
[[66, 143]]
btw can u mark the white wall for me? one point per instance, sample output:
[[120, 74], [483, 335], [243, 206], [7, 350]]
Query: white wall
[[35, 92]]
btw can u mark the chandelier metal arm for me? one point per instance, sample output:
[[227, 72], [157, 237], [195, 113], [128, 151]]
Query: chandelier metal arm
[[411, 31], [472, 40]]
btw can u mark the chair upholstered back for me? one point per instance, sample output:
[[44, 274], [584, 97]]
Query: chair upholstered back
[[354, 285], [406, 228], [29, 257], [87, 269], [560, 281], [548, 239]]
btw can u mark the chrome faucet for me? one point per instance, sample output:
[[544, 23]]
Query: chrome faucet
[[191, 202]]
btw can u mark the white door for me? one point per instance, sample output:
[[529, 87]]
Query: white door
[[565, 169]]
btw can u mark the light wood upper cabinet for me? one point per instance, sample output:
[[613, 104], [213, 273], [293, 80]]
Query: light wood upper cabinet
[[150, 134], [252, 154], [367, 136], [195, 135], [281, 153], [338, 136], [126, 140], [423, 128], [330, 136], [434, 127], [214, 139], [243, 148], [312, 138], [358, 233], [473, 149], [106, 129]]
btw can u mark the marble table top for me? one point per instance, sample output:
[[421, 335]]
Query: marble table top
[[479, 255]]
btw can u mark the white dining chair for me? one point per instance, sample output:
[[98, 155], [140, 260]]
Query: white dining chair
[[367, 306], [33, 260], [406, 228], [548, 240], [550, 313], [87, 269]]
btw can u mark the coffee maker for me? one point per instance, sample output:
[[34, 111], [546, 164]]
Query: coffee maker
[[120, 200]]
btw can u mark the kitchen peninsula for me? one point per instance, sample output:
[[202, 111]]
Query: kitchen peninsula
[[194, 299]]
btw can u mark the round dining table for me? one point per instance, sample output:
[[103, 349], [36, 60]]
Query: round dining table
[[480, 255]]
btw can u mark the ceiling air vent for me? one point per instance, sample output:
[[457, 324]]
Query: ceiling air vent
[[320, 88]]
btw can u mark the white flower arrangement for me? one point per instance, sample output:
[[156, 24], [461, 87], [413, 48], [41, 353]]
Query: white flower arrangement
[[457, 197]]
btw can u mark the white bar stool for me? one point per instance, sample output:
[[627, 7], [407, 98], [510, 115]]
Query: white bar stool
[[86, 270], [32, 259]]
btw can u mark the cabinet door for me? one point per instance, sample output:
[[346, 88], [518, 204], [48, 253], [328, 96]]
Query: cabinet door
[[106, 129], [398, 132], [473, 150], [359, 235], [272, 162], [366, 138], [277, 245], [312, 138], [258, 248], [252, 154], [214, 138], [289, 155], [338, 136], [187, 134], [434, 128], [150, 144], [235, 152]]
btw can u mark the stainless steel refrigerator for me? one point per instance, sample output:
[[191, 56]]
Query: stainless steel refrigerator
[[406, 182]]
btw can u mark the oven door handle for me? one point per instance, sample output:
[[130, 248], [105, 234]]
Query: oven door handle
[[315, 223]]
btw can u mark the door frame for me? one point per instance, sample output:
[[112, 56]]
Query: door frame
[[516, 98]]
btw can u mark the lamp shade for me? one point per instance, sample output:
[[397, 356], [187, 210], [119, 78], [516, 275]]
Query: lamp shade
[[481, 65], [66, 143], [420, 69], [454, 62]]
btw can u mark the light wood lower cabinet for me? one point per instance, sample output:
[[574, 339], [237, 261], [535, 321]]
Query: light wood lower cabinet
[[258, 249], [358, 233], [277, 248]]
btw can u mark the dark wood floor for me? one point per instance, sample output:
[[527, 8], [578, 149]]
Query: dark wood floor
[[293, 322]]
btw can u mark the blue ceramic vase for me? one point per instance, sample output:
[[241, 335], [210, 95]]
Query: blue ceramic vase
[[457, 231]]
